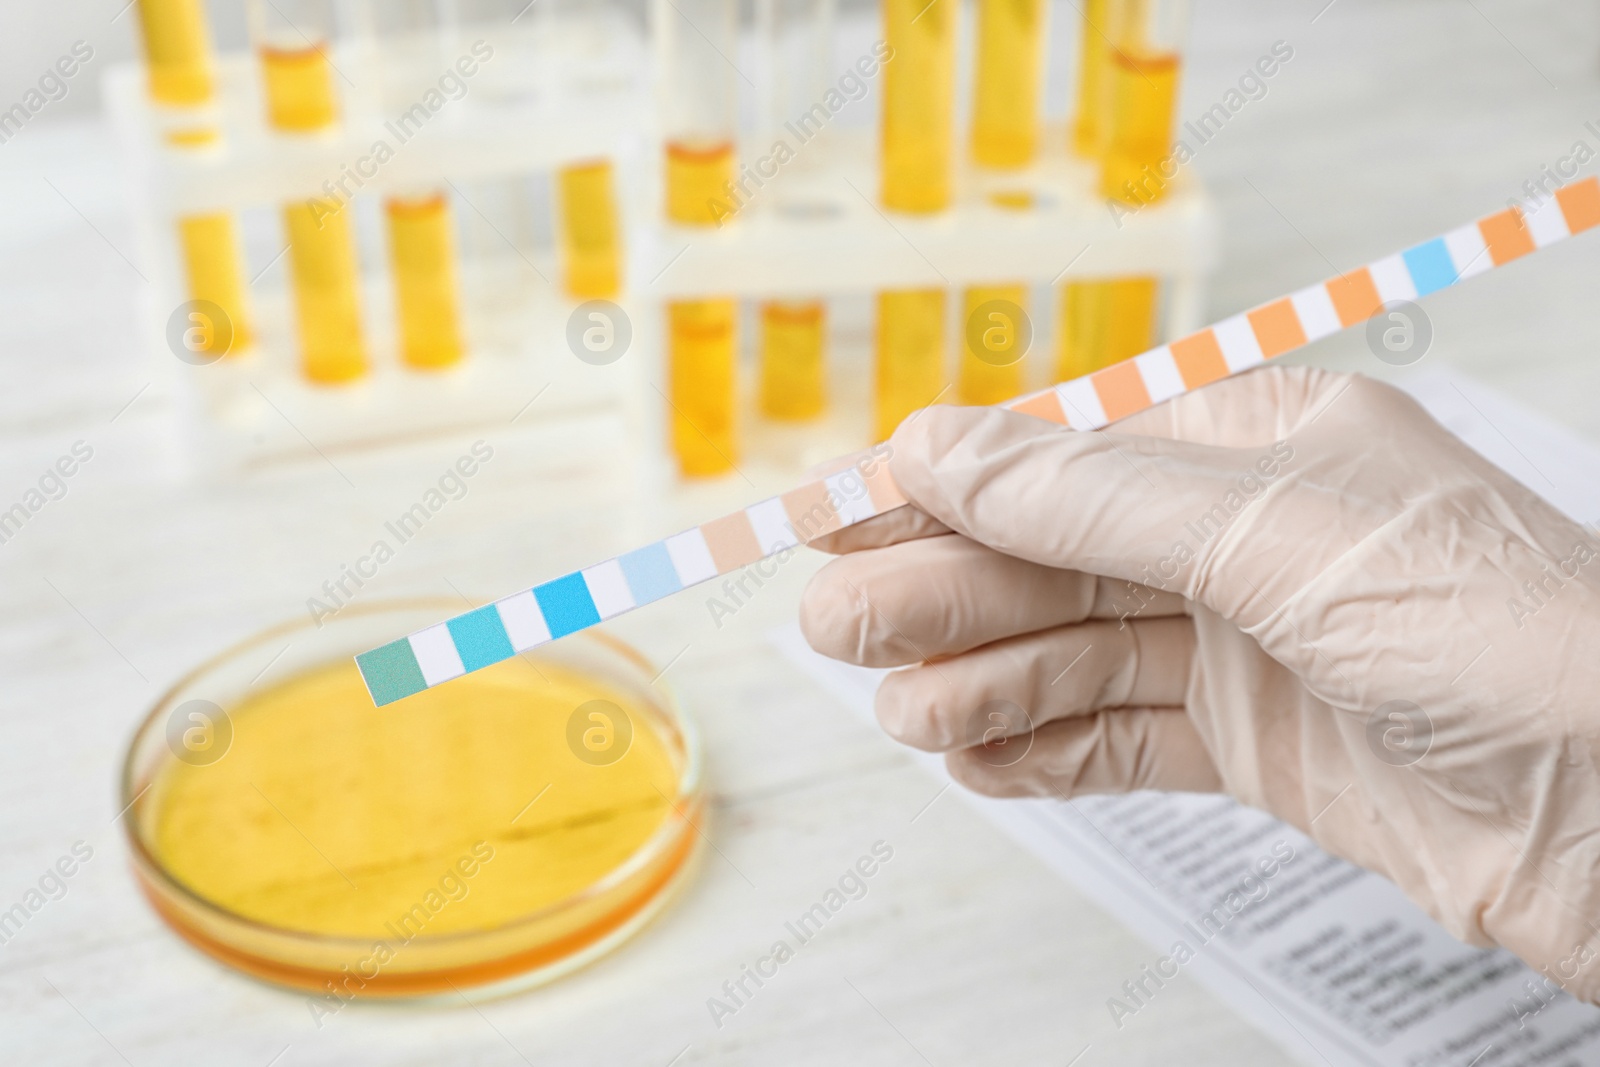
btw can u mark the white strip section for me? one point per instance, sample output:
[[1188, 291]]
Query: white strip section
[[1240, 349], [691, 558], [1081, 404], [523, 620], [771, 523], [1392, 278], [1547, 224], [1468, 251], [608, 588], [436, 654], [849, 489], [1318, 317], [1160, 373]]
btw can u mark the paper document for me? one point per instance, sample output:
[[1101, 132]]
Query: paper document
[[1329, 960]]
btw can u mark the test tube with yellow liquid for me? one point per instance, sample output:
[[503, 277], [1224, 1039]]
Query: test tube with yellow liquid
[[292, 40], [422, 263], [1107, 321], [177, 50], [1104, 322], [1005, 137], [910, 364], [1094, 50], [794, 331], [591, 237], [179, 77], [994, 340], [1147, 38], [697, 39], [1005, 103], [917, 131], [213, 266], [793, 359]]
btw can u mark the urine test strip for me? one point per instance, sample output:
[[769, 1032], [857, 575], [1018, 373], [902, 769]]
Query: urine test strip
[[584, 598]]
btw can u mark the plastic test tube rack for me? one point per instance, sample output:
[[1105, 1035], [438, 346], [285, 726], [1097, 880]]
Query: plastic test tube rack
[[819, 229], [554, 94]]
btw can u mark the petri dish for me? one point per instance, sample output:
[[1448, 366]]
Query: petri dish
[[496, 832]]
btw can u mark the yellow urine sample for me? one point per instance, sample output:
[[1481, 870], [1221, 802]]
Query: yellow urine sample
[[793, 360], [422, 261], [299, 89], [1005, 110], [1094, 48], [702, 365], [918, 122], [212, 263], [1144, 92], [910, 363], [322, 263], [991, 368], [1104, 322], [416, 820], [177, 51], [699, 176], [589, 231]]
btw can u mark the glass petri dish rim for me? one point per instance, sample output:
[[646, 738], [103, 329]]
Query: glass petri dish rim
[[664, 838]]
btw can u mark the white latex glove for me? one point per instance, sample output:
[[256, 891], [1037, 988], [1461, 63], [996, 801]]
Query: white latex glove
[[1230, 591]]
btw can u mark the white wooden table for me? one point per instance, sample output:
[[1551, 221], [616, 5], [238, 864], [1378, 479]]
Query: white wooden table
[[1391, 124]]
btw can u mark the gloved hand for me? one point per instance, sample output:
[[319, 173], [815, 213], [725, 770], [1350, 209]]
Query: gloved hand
[[1294, 586]]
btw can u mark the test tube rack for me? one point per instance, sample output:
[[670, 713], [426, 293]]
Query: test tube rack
[[813, 228], [554, 93]]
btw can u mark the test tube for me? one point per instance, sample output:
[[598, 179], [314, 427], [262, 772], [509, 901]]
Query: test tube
[[422, 263], [418, 220], [292, 39], [698, 39], [910, 344], [1129, 126], [1094, 47], [793, 371], [991, 367], [1105, 322], [794, 330], [211, 259], [917, 126], [1005, 136], [178, 68], [1147, 38], [590, 237], [701, 380], [177, 48], [1005, 106]]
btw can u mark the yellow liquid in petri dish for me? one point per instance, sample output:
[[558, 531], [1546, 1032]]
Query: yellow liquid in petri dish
[[177, 51], [589, 232], [1144, 91], [460, 809], [910, 357], [918, 121], [322, 262], [1094, 47], [422, 261], [697, 181], [702, 374], [212, 263], [1005, 108], [1105, 322], [793, 360], [299, 89], [991, 366]]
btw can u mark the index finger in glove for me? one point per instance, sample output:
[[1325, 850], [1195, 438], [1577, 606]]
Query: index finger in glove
[[938, 596]]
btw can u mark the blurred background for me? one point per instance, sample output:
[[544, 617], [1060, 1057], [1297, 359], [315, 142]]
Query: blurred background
[[270, 270]]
